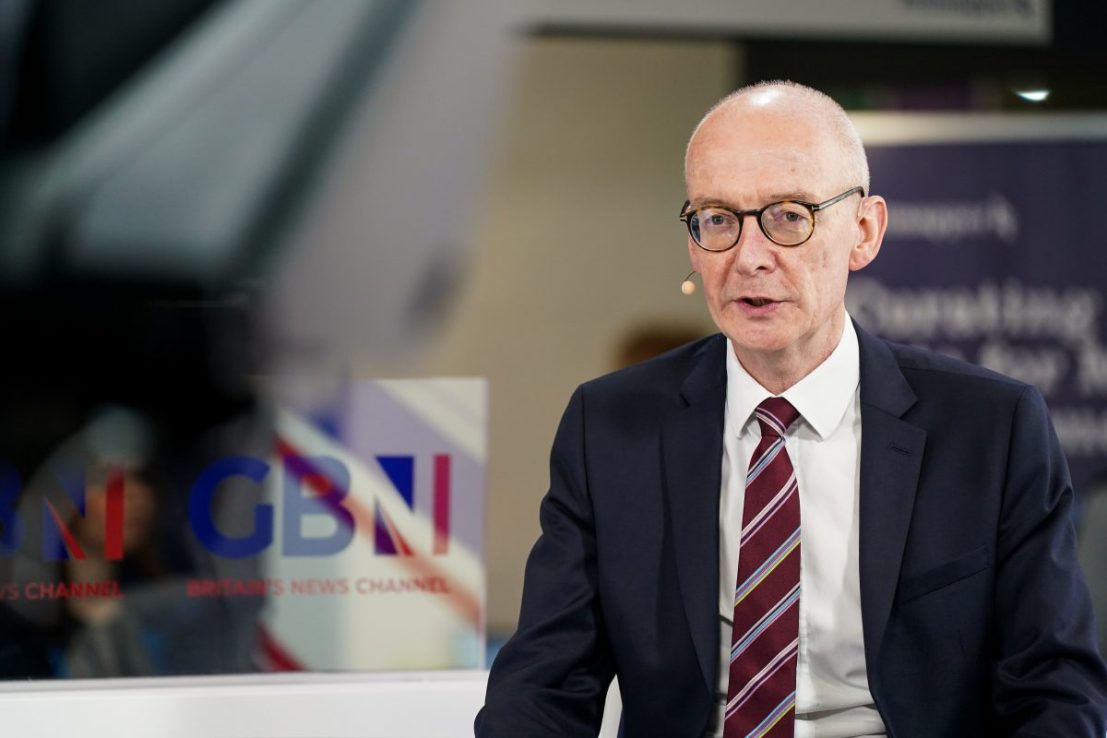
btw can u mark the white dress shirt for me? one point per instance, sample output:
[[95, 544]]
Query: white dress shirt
[[824, 444]]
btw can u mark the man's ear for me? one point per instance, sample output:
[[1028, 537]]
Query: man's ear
[[872, 221]]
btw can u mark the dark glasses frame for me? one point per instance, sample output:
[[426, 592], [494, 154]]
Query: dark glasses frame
[[812, 207]]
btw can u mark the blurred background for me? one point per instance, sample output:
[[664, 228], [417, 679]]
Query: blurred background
[[213, 210]]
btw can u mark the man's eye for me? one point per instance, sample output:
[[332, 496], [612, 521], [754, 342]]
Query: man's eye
[[716, 219], [788, 214]]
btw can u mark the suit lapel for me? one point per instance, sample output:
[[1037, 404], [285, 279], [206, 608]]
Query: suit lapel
[[692, 449], [891, 458]]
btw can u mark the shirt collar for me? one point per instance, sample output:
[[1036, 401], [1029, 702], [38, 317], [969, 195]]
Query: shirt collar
[[821, 397]]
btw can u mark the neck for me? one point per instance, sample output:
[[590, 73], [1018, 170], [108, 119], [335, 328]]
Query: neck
[[777, 371]]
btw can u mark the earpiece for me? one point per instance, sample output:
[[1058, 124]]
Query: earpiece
[[688, 286]]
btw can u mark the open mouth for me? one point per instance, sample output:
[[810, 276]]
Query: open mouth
[[757, 301]]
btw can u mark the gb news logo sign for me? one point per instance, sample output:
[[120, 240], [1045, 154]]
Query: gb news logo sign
[[368, 510], [316, 486], [309, 486]]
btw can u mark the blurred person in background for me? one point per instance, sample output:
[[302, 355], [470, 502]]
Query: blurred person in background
[[651, 338]]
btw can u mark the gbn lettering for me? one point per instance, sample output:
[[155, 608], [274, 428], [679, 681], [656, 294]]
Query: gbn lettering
[[311, 487]]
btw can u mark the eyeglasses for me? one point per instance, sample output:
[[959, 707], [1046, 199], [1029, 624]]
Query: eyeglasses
[[785, 223]]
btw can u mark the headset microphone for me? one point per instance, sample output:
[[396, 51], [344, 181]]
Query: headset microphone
[[688, 286]]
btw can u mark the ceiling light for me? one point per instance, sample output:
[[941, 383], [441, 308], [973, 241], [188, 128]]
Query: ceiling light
[[1033, 95]]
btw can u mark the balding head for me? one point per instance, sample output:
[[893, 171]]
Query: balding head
[[799, 103]]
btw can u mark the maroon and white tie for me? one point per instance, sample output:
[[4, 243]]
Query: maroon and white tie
[[761, 697]]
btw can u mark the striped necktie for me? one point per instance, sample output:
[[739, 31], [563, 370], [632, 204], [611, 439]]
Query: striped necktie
[[761, 696]]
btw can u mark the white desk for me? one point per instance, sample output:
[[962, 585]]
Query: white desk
[[394, 705]]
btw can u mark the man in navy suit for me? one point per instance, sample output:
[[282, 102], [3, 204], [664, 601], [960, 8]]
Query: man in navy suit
[[931, 586]]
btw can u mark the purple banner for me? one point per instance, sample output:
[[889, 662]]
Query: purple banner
[[994, 254]]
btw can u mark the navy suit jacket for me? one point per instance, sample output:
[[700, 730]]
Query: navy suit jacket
[[975, 615]]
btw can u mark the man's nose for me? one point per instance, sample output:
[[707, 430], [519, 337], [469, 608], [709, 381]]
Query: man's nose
[[754, 251]]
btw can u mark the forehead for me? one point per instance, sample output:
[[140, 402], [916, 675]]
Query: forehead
[[749, 155]]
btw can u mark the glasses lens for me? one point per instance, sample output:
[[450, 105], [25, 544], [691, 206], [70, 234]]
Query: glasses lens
[[788, 223], [714, 229]]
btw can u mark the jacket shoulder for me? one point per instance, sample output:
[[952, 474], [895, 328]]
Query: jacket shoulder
[[925, 365], [951, 387], [662, 376]]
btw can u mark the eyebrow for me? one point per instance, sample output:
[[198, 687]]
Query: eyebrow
[[775, 197]]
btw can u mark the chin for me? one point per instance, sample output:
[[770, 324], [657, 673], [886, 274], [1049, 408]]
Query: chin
[[760, 343]]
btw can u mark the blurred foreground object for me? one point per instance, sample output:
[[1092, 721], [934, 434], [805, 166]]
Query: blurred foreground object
[[194, 193]]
